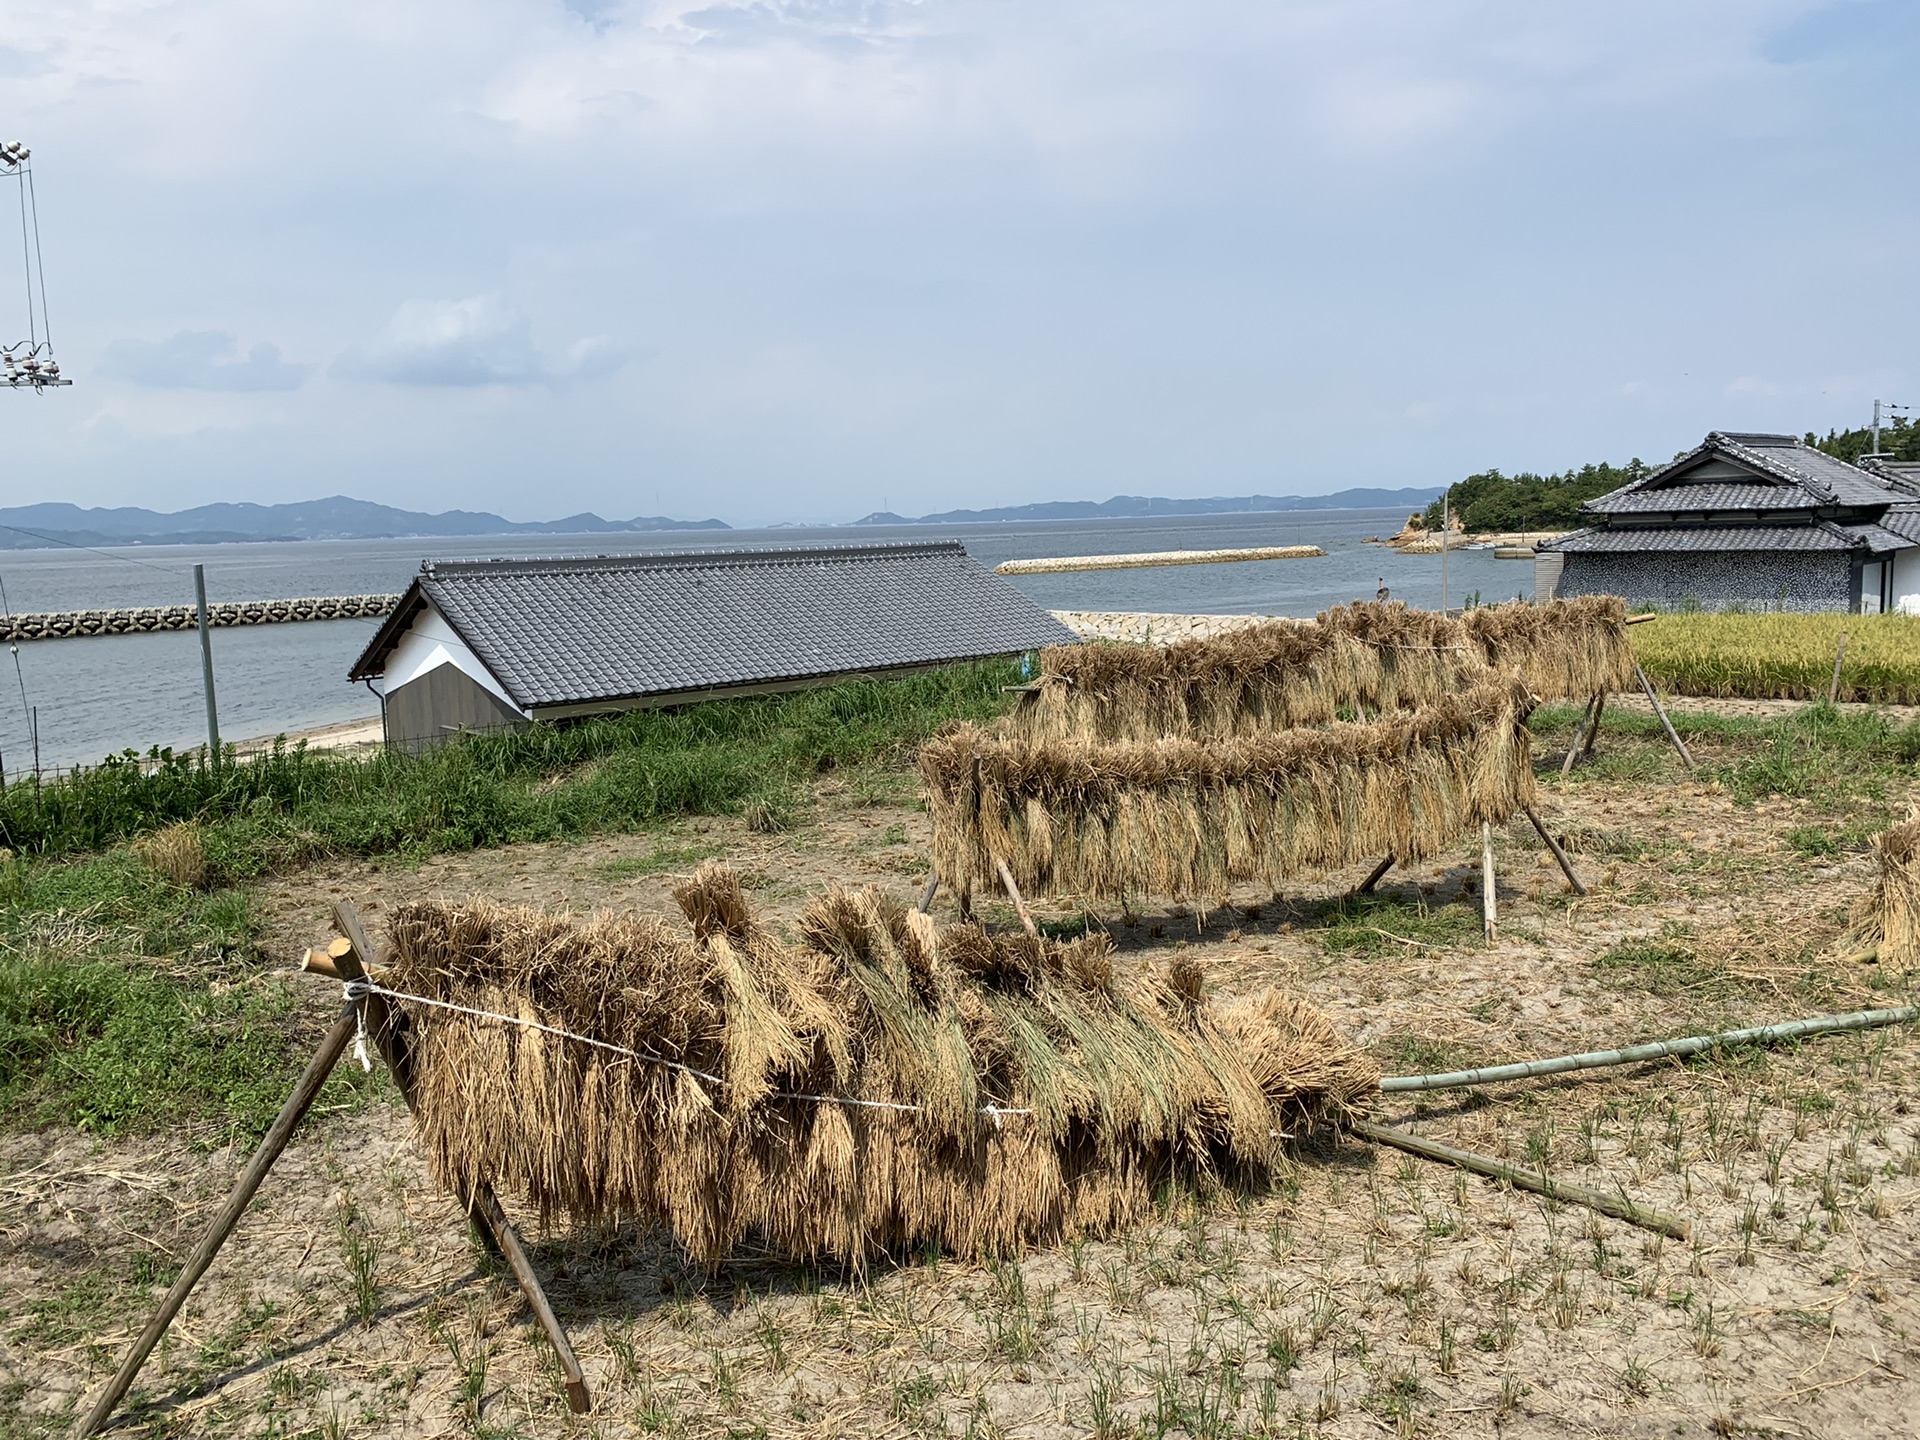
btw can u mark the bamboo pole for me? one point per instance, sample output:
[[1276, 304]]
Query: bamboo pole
[[1839, 658], [1013, 894], [482, 1206], [1566, 865], [926, 895], [1593, 730], [1655, 1050], [271, 1144], [1665, 723], [1617, 1206], [1378, 873], [1579, 734], [1489, 902]]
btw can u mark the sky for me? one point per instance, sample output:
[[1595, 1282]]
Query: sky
[[798, 260]]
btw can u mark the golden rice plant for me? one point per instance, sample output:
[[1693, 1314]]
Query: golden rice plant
[[177, 852], [876, 1085], [1564, 650], [1783, 656]]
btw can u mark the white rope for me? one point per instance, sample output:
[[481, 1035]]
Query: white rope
[[356, 990]]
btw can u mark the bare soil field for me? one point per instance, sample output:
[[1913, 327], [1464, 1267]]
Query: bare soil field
[[1371, 1293]]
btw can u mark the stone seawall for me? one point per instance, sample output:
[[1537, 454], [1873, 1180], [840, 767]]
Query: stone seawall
[[1155, 629], [71, 624]]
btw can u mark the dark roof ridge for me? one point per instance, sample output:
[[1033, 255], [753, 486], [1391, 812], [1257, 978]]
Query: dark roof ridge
[[662, 559], [1736, 443]]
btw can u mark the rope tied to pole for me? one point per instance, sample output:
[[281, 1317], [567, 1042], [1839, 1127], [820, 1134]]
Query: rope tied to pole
[[357, 990]]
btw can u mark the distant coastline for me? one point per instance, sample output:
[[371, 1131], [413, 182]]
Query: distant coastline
[[340, 517], [1134, 507]]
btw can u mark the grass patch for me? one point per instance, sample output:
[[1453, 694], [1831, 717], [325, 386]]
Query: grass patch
[[128, 1003], [549, 782], [1367, 925], [1409, 1054], [1663, 965], [663, 857], [1786, 657]]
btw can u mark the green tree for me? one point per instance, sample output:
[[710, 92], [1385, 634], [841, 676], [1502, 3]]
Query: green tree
[[1899, 438], [1491, 501]]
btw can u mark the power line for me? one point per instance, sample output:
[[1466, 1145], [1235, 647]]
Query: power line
[[75, 545]]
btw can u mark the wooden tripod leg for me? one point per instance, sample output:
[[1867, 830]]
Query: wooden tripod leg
[[576, 1382], [483, 1206], [1365, 887], [1665, 723], [1489, 903], [1566, 865], [1579, 737], [926, 895], [1593, 730], [1013, 894], [275, 1140]]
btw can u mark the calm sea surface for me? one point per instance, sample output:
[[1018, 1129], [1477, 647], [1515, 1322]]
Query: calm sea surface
[[100, 695]]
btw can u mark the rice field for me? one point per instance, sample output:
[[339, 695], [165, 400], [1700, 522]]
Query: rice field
[[1782, 657]]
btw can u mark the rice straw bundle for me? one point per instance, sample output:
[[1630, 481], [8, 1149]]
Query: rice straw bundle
[[1274, 676], [1125, 1087], [1887, 919], [1564, 649], [1183, 817]]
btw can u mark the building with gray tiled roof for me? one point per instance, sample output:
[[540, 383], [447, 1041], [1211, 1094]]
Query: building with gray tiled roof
[[498, 644], [1760, 521]]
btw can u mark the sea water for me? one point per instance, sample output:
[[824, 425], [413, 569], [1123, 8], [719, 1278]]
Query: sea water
[[102, 694]]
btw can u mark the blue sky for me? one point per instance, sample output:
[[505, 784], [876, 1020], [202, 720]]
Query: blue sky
[[789, 261]]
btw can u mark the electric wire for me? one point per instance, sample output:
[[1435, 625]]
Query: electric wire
[[91, 550], [39, 264], [26, 259]]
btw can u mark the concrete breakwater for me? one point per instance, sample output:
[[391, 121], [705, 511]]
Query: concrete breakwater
[[1144, 559], [70, 624], [1146, 628]]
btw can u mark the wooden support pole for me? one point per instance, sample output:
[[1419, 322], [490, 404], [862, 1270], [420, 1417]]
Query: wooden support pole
[[1566, 865], [1839, 659], [1646, 685], [1593, 730], [574, 1378], [1617, 1206], [483, 1206], [926, 895], [1013, 894], [1489, 903], [1579, 735], [1374, 877], [271, 1144]]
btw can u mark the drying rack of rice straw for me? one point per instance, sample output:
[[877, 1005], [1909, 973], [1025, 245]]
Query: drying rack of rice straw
[[877, 1085], [1374, 731], [1571, 649]]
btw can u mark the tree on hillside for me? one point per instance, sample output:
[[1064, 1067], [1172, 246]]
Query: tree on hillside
[[1491, 501], [1898, 438]]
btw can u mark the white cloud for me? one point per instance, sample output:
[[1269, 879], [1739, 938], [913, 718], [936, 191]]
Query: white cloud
[[481, 340], [200, 360]]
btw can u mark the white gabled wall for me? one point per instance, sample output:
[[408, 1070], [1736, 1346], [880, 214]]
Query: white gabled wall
[[1906, 581], [430, 643]]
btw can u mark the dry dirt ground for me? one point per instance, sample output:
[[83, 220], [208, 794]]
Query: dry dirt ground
[[1372, 1293]]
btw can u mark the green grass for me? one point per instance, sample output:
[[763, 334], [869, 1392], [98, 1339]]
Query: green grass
[[544, 783], [663, 857], [1666, 965], [1368, 925], [128, 1004]]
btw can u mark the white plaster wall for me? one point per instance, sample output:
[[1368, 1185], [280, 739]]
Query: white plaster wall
[[430, 643], [1906, 581]]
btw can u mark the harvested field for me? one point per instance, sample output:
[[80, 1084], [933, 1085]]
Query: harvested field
[[1365, 1293]]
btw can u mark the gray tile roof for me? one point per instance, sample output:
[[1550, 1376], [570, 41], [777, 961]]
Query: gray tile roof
[[1903, 520], [1643, 539], [1788, 474], [579, 631], [1902, 473]]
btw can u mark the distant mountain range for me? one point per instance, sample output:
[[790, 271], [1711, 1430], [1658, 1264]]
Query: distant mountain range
[[338, 517], [1130, 506]]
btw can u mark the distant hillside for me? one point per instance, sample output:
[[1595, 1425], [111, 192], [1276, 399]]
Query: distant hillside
[[336, 518], [1128, 506]]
